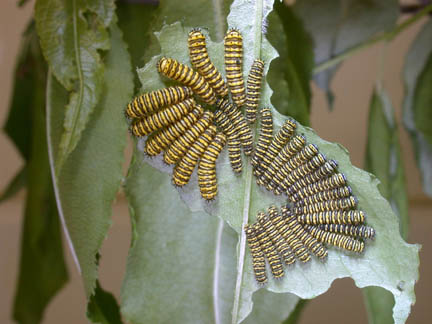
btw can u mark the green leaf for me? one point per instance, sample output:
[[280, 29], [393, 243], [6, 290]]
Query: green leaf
[[339, 25], [92, 175], [239, 198], [289, 74], [42, 270], [135, 20], [103, 308], [19, 124], [181, 265], [295, 315], [417, 103], [384, 159], [71, 35], [16, 184]]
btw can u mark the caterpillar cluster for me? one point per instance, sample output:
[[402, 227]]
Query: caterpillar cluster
[[179, 127], [321, 207]]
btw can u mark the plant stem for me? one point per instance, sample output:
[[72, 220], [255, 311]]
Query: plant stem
[[388, 36]]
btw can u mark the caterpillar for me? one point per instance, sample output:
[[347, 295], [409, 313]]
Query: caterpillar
[[298, 173], [253, 89], [362, 231], [165, 117], [269, 251], [201, 61], [184, 169], [149, 103], [279, 162], [173, 69], [329, 205], [265, 136], [281, 246], [335, 181], [353, 217], [276, 145], [160, 140], [335, 193], [181, 145], [234, 152], [289, 234], [207, 180], [339, 240], [325, 170], [233, 43], [258, 260], [239, 122]]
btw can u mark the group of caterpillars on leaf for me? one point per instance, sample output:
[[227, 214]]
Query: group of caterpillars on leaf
[[187, 134], [321, 208]]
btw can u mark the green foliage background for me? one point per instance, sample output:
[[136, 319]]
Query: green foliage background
[[188, 260]]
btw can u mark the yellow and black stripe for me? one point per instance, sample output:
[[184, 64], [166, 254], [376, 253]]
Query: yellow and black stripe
[[297, 173], [151, 102], [332, 182], [322, 173], [353, 217], [362, 231], [207, 180], [234, 150], [253, 89], [182, 144], [269, 251], [276, 145], [265, 136], [289, 230], [165, 117], [287, 152], [233, 44], [258, 260], [173, 69], [328, 205], [200, 60], [339, 240], [239, 122], [184, 169], [281, 246], [336, 193], [160, 140]]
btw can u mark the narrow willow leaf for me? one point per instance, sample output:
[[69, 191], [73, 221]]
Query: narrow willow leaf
[[71, 35], [18, 126], [18, 182], [91, 176], [290, 73], [103, 308], [239, 198], [417, 103], [383, 158], [135, 20], [338, 25], [42, 270], [181, 265]]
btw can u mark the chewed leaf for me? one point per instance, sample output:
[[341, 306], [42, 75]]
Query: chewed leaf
[[388, 261]]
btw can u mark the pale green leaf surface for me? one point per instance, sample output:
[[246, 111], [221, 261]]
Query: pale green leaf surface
[[289, 74], [383, 158], [338, 25], [388, 262], [417, 102], [71, 39], [181, 266], [92, 175]]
